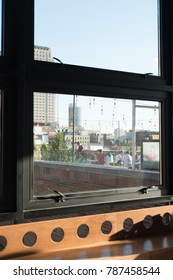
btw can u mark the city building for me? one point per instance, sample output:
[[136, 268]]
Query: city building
[[42, 53], [118, 134], [44, 103], [84, 139], [77, 116]]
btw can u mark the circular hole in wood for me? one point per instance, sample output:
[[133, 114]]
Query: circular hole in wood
[[83, 231], [106, 227], [57, 234], [148, 221], [166, 219], [128, 224], [29, 239], [3, 243]]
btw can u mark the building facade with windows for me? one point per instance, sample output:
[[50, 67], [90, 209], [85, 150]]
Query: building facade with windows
[[44, 104], [74, 114], [42, 53]]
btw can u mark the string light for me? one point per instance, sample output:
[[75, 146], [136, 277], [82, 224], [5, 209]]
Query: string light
[[155, 110], [114, 103], [102, 110], [76, 99], [90, 103]]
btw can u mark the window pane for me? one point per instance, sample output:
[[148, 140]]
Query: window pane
[[84, 143], [119, 35]]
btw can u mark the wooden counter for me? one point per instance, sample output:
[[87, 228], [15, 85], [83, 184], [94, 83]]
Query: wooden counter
[[138, 234]]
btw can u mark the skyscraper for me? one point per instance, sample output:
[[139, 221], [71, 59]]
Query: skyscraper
[[77, 116], [43, 53], [44, 103]]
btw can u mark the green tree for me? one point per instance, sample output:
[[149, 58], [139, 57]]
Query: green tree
[[45, 155], [57, 146], [57, 151]]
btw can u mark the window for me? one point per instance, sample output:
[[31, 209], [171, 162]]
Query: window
[[123, 147], [58, 113], [118, 35]]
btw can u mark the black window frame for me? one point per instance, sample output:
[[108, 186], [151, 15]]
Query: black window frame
[[23, 76]]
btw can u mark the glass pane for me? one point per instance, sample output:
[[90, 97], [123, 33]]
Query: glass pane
[[119, 35], [84, 143]]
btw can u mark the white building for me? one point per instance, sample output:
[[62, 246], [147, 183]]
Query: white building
[[44, 103]]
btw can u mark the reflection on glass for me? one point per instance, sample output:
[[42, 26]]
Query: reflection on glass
[[119, 35], [76, 136]]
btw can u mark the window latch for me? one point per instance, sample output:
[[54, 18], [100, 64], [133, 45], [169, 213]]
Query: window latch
[[59, 197], [145, 189]]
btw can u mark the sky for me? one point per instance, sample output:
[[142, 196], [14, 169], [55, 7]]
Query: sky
[[108, 114], [110, 34]]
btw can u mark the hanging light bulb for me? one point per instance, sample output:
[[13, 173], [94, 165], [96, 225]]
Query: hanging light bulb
[[102, 110], [155, 110], [76, 99], [113, 115], [90, 103]]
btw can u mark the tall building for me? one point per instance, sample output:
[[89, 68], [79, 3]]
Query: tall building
[[44, 103], [77, 116], [42, 53]]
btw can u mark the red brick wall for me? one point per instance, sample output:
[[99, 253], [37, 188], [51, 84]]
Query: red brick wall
[[68, 178]]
